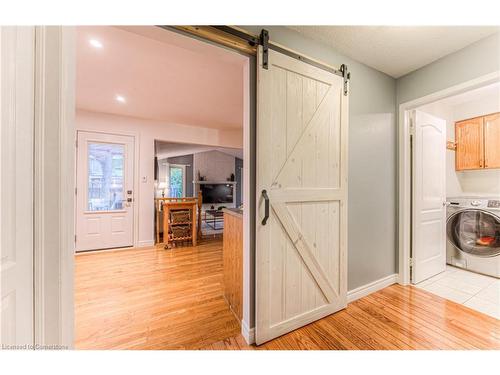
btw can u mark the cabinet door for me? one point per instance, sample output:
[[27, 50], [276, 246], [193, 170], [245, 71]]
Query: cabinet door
[[469, 138], [492, 141]]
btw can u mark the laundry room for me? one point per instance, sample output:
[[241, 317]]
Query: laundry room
[[469, 171]]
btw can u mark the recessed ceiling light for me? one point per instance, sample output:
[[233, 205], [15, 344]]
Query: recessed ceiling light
[[95, 43], [120, 99]]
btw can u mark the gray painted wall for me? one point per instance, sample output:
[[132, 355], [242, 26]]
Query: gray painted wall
[[372, 159], [473, 61]]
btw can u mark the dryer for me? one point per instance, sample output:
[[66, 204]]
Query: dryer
[[473, 234]]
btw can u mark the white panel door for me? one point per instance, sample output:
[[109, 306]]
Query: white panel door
[[301, 251], [429, 196], [16, 185], [105, 197]]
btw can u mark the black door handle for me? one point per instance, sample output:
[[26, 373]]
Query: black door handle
[[266, 206]]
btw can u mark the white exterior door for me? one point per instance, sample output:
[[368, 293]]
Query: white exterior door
[[17, 45], [429, 196], [105, 196], [301, 253]]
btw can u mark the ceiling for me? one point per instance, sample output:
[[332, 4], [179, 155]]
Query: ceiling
[[396, 50], [170, 149], [159, 75]]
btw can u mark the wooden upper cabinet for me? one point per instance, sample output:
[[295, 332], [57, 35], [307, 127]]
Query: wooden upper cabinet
[[469, 140], [492, 141]]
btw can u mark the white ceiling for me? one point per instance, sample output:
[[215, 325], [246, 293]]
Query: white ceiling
[[170, 149], [161, 75], [396, 50]]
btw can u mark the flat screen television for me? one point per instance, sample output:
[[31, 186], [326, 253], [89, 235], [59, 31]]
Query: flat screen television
[[217, 193]]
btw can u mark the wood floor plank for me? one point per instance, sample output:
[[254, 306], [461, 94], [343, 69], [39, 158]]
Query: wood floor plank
[[418, 328], [403, 316], [173, 299], [373, 325], [461, 323], [394, 324], [152, 299]]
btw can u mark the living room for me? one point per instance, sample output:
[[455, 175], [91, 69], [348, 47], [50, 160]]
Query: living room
[[213, 174]]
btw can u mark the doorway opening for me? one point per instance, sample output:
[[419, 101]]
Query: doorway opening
[[454, 225], [163, 190]]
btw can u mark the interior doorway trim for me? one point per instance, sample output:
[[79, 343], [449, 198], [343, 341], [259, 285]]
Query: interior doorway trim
[[404, 157], [54, 181], [54, 306]]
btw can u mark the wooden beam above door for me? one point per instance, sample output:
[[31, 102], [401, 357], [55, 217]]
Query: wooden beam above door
[[213, 34]]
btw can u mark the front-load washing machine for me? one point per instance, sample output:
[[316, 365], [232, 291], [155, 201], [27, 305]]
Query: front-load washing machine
[[473, 234]]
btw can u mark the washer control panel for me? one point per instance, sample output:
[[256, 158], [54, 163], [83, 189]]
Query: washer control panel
[[494, 203]]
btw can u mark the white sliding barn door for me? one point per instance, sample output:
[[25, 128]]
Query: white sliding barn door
[[301, 265], [429, 196], [17, 45]]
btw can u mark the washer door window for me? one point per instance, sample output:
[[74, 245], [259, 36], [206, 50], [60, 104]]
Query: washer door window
[[475, 232]]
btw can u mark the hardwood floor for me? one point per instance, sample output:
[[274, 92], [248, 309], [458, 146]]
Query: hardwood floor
[[173, 299], [152, 298], [396, 318]]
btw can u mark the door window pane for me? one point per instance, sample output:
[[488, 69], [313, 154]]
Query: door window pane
[[105, 176], [176, 182]]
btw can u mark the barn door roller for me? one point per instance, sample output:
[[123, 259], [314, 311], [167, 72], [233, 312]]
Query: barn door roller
[[266, 45], [346, 75], [264, 41]]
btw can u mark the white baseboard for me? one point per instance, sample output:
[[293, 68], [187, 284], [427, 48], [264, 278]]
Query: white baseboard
[[374, 286], [401, 281], [247, 333], [147, 243]]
